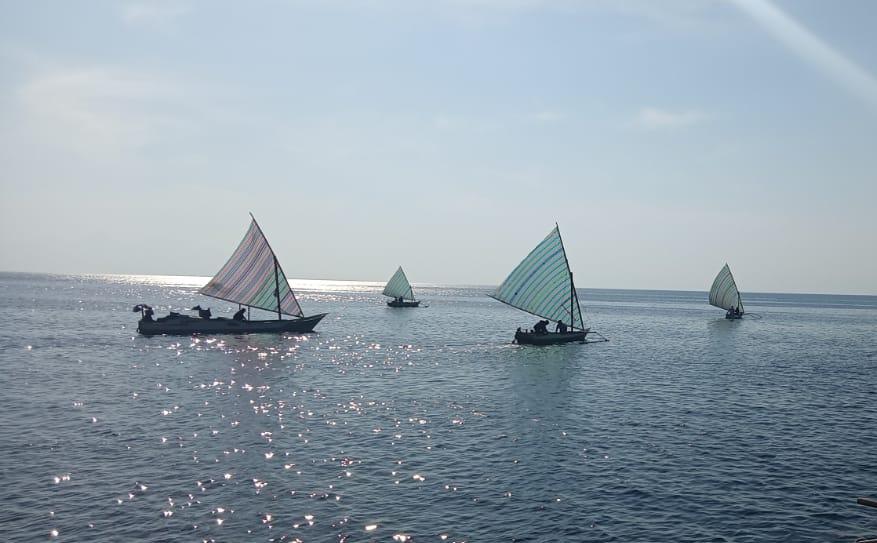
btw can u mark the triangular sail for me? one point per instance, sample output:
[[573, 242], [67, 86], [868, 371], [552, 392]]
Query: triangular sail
[[542, 284], [253, 277], [724, 291], [399, 287]]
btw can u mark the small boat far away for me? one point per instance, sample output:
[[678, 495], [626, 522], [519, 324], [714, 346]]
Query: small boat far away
[[399, 289], [542, 285], [724, 294], [251, 278]]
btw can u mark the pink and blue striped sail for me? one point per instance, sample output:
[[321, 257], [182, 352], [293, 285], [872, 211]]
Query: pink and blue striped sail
[[253, 277], [542, 284]]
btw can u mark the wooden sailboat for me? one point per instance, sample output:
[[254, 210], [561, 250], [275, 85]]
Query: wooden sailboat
[[724, 294], [542, 285], [253, 278], [399, 289]]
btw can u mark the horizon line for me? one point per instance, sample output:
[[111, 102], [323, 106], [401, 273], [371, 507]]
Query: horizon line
[[424, 284]]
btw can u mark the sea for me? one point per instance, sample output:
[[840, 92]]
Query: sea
[[429, 424]]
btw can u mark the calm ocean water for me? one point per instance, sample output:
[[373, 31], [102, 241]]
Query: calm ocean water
[[428, 425]]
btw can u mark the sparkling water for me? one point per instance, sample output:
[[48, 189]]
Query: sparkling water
[[428, 424]]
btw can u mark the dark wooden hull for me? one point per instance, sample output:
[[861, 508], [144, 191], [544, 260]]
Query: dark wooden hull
[[404, 303], [733, 317], [185, 325], [556, 338]]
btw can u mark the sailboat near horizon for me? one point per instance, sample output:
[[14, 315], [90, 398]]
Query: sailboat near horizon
[[252, 278], [399, 289], [542, 285], [724, 294]]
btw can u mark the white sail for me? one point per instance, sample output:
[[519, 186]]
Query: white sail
[[399, 287], [542, 284], [253, 277], [724, 291]]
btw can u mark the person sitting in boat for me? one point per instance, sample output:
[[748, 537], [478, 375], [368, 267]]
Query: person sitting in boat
[[239, 316], [560, 327], [148, 313], [399, 300], [203, 313], [541, 327]]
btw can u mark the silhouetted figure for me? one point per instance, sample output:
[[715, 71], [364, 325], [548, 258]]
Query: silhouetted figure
[[203, 313], [239, 316], [560, 327], [148, 313], [541, 327], [399, 300]]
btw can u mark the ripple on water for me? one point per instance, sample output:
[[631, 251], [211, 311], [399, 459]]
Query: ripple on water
[[400, 430]]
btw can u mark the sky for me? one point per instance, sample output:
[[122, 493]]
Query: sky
[[665, 138]]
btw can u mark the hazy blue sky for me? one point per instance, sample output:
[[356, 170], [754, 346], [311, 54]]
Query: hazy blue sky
[[665, 137]]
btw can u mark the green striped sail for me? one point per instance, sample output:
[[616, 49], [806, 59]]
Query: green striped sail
[[253, 277], [542, 284], [724, 291], [398, 286]]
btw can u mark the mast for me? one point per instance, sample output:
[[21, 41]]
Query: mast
[[277, 287], [574, 297], [276, 267]]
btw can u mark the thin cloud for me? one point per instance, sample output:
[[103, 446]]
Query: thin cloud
[[547, 116], [812, 49], [685, 15], [153, 13], [99, 108], [655, 118]]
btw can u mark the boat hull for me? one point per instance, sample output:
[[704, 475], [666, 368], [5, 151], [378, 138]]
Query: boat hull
[[404, 303], [556, 338], [733, 317], [185, 325]]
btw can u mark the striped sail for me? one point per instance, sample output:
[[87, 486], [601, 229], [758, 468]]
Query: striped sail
[[724, 291], [542, 284], [398, 286], [253, 277]]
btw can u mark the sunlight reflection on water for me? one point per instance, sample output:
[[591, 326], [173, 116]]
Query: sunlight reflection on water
[[429, 425]]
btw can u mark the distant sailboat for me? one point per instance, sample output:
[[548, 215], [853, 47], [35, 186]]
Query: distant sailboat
[[399, 289], [542, 285], [252, 277], [724, 294]]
